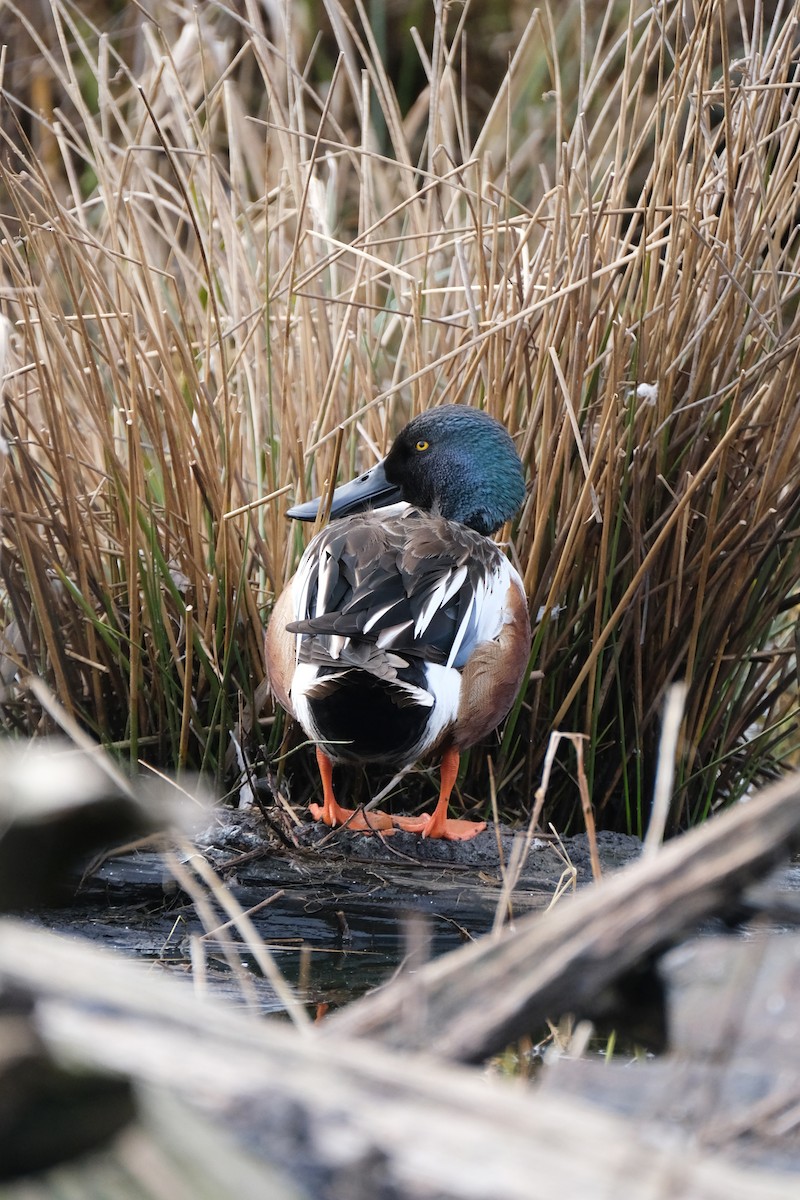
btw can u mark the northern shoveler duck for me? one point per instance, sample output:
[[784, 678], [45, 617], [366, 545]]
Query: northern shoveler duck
[[405, 630]]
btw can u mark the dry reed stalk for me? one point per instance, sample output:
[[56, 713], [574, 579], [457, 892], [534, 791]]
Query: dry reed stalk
[[235, 270]]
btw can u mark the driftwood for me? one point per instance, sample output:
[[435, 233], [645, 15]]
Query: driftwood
[[732, 1077], [350, 1117], [476, 1000]]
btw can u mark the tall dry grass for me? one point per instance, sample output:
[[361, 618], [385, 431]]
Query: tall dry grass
[[217, 267]]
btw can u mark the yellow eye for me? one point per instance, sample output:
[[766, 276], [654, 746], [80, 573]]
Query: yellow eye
[[421, 446]]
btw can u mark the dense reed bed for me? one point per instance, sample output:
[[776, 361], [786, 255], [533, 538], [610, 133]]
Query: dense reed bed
[[228, 270]]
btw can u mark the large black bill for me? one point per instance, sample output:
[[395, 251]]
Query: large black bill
[[370, 490]]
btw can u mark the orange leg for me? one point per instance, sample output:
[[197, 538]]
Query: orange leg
[[331, 812], [439, 825]]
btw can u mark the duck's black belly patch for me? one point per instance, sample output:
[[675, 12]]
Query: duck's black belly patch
[[365, 719]]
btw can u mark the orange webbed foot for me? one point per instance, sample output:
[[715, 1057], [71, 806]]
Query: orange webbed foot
[[354, 818], [449, 829]]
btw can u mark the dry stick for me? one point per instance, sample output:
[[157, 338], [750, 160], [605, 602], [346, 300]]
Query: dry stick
[[241, 921], [249, 912], [573, 420], [326, 502], [186, 708], [186, 880], [487, 994], [665, 771], [541, 791], [577, 740], [510, 873], [246, 508], [134, 612]]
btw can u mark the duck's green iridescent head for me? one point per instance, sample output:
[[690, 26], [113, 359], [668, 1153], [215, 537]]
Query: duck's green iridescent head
[[455, 461], [461, 463]]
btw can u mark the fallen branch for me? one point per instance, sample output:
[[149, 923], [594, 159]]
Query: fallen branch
[[475, 1001]]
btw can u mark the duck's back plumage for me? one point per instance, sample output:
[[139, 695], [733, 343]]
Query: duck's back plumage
[[389, 610]]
